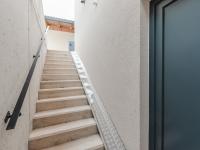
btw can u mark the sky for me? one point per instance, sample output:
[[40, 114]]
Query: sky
[[64, 9]]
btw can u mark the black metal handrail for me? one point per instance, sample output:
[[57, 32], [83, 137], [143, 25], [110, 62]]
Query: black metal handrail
[[13, 117]]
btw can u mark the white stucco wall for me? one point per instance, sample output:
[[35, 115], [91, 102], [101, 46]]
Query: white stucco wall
[[57, 40], [112, 41], [19, 40]]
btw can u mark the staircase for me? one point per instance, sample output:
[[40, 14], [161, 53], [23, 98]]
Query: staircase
[[63, 118]]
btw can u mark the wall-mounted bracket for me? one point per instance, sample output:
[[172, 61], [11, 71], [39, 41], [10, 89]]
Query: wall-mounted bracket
[[83, 1], [35, 56], [95, 2], [9, 115]]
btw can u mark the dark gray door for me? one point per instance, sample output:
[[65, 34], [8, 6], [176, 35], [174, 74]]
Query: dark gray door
[[175, 75]]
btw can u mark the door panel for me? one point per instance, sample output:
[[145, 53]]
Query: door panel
[[176, 75]]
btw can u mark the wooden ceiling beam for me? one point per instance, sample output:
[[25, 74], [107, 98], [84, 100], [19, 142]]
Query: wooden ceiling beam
[[60, 26]]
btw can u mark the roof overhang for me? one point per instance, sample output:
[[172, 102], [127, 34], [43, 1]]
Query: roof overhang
[[59, 24]]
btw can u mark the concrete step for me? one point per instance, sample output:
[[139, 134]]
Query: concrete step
[[58, 60], [63, 119], [66, 61], [60, 84], [62, 102], [60, 92], [58, 57], [93, 142], [50, 77], [60, 71], [62, 133], [57, 52], [53, 117], [59, 65]]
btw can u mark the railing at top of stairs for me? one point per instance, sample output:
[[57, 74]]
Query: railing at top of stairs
[[13, 117]]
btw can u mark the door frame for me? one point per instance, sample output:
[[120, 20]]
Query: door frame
[[153, 120]]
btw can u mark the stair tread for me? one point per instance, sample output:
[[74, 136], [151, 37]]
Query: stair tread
[[67, 60], [60, 64], [60, 69], [54, 59], [53, 50], [52, 63], [56, 66], [91, 142], [61, 98], [65, 55], [58, 53], [60, 89], [61, 128], [62, 56], [55, 81], [60, 74], [61, 111]]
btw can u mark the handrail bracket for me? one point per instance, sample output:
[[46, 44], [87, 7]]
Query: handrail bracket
[[8, 116]]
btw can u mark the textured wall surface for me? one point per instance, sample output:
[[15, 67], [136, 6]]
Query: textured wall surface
[[20, 37], [112, 41], [144, 74], [58, 40]]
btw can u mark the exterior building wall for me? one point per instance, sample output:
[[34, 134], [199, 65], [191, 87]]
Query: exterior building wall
[[22, 23], [144, 75], [58, 40], [112, 41]]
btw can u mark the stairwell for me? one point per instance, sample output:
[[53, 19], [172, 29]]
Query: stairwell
[[63, 118]]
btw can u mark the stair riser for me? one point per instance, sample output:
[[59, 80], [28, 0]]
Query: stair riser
[[55, 66], [70, 62], [59, 77], [59, 63], [88, 143], [62, 138], [60, 71], [58, 52], [60, 104], [64, 118], [59, 57], [49, 85], [98, 148], [61, 93]]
